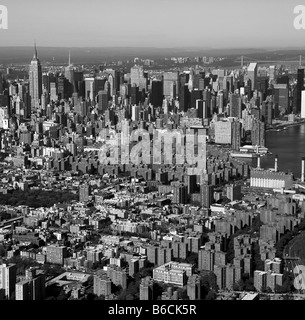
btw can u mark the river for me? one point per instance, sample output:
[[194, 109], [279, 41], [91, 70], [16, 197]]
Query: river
[[289, 145]]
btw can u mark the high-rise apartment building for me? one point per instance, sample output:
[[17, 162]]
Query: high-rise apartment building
[[56, 254], [147, 289], [32, 288], [8, 279]]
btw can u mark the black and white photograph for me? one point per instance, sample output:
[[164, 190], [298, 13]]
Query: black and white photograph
[[152, 154]]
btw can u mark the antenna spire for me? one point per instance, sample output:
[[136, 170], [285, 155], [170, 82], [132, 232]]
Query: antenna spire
[[35, 51]]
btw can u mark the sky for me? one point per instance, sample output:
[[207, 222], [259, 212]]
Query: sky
[[152, 23]]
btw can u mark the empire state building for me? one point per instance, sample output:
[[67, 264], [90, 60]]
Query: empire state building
[[35, 78]]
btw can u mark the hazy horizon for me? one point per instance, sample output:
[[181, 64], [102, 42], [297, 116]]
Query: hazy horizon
[[204, 24]]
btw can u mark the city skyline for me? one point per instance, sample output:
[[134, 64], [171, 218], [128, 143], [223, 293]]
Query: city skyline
[[164, 24], [152, 151]]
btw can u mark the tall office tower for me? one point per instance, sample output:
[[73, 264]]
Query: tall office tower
[[89, 88], [184, 98], [229, 83], [134, 95], [191, 183], [191, 80], [35, 78], [267, 111], [235, 105], [13, 89], [79, 82], [207, 196], [116, 75], [303, 105], [300, 88], [44, 99], [258, 133], [272, 73], [53, 91], [63, 88], [170, 84], [69, 72], [45, 82], [262, 85], [252, 74], [219, 102], [135, 113], [201, 109], [156, 93], [102, 101], [111, 84], [281, 97], [5, 101], [236, 135], [8, 279], [196, 78], [195, 95], [183, 80], [138, 78], [206, 96]]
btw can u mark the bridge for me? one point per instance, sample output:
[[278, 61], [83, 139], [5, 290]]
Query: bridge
[[247, 59]]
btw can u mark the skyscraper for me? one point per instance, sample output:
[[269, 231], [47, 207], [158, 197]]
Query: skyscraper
[[170, 84], [258, 133], [236, 135], [69, 72], [300, 88], [235, 105], [303, 105], [157, 93], [207, 196], [35, 78], [252, 74], [137, 77]]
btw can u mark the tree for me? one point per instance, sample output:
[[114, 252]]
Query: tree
[[192, 258], [268, 290], [279, 289], [90, 281], [146, 272], [62, 295], [212, 295], [249, 284], [239, 285]]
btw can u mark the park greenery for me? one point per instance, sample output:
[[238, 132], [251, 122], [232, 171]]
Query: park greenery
[[37, 198]]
